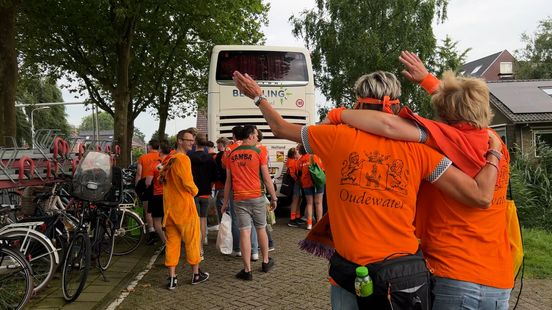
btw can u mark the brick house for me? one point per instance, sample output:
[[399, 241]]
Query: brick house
[[523, 112], [498, 66]]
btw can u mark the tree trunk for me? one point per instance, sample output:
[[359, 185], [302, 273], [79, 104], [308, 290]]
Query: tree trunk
[[122, 97], [163, 112], [8, 72], [130, 130]]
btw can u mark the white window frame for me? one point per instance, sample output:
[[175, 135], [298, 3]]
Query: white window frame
[[504, 64], [540, 131]]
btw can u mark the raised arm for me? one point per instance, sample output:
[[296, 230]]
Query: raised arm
[[417, 73], [476, 192], [278, 125], [382, 124]]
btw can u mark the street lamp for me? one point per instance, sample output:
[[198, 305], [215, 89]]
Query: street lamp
[[32, 125]]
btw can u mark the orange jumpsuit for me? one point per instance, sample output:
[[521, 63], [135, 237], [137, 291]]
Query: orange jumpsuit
[[181, 221]]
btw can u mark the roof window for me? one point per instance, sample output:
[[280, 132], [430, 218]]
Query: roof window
[[476, 69]]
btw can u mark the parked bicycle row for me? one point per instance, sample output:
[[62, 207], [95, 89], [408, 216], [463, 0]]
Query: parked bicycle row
[[68, 227]]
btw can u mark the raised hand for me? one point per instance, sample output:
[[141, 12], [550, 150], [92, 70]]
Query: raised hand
[[246, 85], [415, 69]]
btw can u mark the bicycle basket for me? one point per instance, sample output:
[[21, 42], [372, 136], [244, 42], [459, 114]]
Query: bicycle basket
[[92, 179]]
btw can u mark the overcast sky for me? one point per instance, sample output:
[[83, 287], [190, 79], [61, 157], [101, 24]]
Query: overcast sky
[[487, 27]]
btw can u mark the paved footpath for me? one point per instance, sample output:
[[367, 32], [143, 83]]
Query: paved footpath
[[297, 281]]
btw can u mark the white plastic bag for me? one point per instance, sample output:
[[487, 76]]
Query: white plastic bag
[[224, 237]]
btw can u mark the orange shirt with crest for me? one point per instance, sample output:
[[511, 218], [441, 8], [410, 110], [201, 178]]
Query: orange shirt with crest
[[372, 184], [245, 164], [466, 243]]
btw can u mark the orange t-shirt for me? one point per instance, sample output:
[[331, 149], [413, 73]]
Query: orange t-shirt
[[146, 160], [372, 184], [179, 191], [244, 163], [466, 243], [227, 151], [303, 164], [156, 167], [291, 165]]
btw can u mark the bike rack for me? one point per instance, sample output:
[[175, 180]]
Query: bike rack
[[51, 157]]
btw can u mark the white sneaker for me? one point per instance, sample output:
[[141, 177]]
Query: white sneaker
[[236, 254], [206, 241], [255, 257]]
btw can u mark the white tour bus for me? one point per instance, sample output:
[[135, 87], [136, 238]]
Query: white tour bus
[[286, 78]]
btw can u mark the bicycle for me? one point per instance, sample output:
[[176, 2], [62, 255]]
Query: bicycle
[[16, 284], [103, 236], [76, 263], [95, 182], [130, 230], [34, 246]]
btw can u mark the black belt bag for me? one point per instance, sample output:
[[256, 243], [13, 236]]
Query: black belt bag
[[399, 283]]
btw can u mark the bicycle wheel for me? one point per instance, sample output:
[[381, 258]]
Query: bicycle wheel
[[16, 284], [75, 267], [129, 232], [38, 252], [106, 241]]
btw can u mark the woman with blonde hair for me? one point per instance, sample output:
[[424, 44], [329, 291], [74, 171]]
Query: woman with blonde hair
[[466, 248]]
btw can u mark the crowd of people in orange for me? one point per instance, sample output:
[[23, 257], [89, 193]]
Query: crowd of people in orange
[[421, 203]]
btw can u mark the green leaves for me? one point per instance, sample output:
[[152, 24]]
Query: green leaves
[[351, 38], [535, 59]]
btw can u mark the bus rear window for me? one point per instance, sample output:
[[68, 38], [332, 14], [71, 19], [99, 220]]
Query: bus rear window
[[263, 65]]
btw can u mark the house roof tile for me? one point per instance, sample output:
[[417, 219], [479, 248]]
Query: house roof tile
[[481, 65], [522, 101]]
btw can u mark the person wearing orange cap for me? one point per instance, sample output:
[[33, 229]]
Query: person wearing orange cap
[[372, 200]]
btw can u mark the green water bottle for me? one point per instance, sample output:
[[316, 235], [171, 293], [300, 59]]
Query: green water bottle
[[363, 283]]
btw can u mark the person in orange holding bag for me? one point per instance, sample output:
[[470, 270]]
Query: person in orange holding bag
[[181, 220], [313, 194], [468, 249]]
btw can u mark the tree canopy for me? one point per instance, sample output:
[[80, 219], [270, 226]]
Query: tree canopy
[[448, 57], [129, 54], [535, 59], [352, 38], [105, 122], [32, 90]]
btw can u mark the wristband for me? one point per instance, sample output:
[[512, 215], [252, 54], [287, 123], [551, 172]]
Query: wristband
[[334, 116], [430, 83], [257, 100], [492, 164], [495, 153]]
